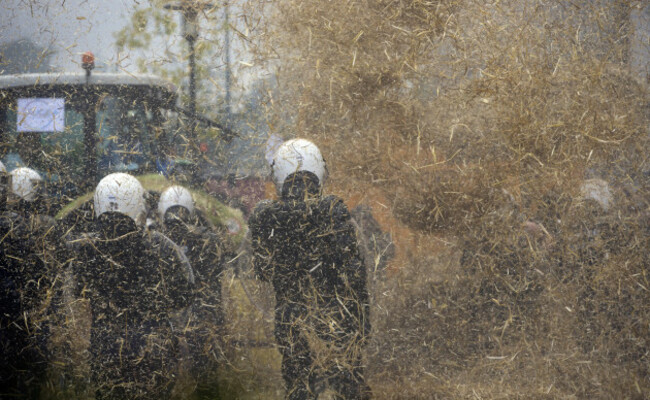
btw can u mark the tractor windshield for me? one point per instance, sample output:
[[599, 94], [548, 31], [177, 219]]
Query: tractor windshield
[[73, 134], [45, 134], [125, 128]]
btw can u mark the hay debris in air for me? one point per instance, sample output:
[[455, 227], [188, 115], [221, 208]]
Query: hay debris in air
[[471, 127], [477, 123]]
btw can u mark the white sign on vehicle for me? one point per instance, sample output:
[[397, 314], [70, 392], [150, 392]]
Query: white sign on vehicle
[[41, 115]]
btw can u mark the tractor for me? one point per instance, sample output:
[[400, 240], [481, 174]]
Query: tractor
[[75, 128]]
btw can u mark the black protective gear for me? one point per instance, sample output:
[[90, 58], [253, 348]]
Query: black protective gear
[[26, 276], [306, 246], [204, 330], [134, 282]]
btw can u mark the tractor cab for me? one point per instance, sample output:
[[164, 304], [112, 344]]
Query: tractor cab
[[75, 128]]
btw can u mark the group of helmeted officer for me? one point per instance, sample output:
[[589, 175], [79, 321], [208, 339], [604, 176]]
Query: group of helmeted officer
[[152, 285], [146, 292], [25, 278], [136, 280]]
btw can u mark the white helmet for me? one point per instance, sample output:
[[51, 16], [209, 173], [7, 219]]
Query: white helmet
[[175, 196], [121, 193], [25, 183], [297, 155]]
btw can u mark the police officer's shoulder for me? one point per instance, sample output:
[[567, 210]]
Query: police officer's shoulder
[[9, 216], [79, 241], [262, 210], [168, 251], [159, 242], [155, 237], [211, 235], [205, 235], [13, 223], [160, 246], [333, 206]]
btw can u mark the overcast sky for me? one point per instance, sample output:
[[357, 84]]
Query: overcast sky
[[68, 27]]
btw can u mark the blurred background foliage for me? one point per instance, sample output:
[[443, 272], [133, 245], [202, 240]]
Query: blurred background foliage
[[153, 27]]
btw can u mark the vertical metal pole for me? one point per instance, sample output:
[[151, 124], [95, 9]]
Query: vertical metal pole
[[227, 49], [190, 31], [191, 34], [192, 133], [90, 141]]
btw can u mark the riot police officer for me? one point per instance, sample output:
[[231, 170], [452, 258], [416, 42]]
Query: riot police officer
[[181, 223], [134, 281], [26, 274], [305, 245]]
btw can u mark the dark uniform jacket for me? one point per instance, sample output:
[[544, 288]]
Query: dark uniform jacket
[[306, 246], [203, 330], [203, 249], [134, 281], [26, 276]]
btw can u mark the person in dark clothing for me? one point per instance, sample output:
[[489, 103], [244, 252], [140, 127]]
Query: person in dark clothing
[[134, 281], [21, 359], [203, 248], [26, 276], [305, 245]]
